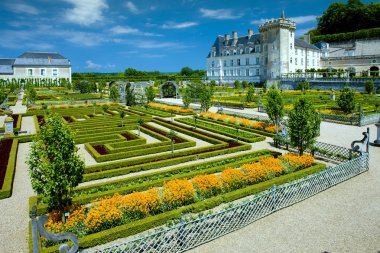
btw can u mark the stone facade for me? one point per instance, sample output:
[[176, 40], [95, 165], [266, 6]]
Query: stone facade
[[261, 57], [36, 65]]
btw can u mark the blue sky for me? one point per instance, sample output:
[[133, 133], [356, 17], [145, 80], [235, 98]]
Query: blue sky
[[110, 35]]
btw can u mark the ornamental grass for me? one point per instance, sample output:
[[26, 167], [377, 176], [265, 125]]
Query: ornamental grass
[[207, 185], [178, 193]]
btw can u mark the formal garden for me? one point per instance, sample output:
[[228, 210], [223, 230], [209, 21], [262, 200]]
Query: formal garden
[[103, 170]]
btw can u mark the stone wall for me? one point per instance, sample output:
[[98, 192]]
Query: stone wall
[[326, 85]]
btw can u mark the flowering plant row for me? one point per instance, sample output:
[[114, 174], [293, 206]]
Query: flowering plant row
[[116, 210], [170, 108], [65, 106], [244, 122]]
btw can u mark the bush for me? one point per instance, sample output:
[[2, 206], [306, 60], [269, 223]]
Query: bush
[[369, 86], [298, 162], [178, 193], [346, 100], [233, 179], [140, 204], [207, 185]]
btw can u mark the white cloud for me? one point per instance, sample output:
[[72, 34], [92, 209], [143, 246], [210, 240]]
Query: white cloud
[[132, 7], [85, 12], [301, 32], [151, 44], [220, 13], [118, 30], [91, 65], [22, 8], [174, 25], [303, 19], [259, 21]]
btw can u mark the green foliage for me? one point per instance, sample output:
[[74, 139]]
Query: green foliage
[[304, 124], [149, 93], [369, 86], [122, 115], [3, 95], [212, 83], [250, 94], [101, 87], [105, 108], [172, 135], [186, 71], [265, 87], [114, 93], [205, 97], [237, 84], [85, 86], [361, 34], [244, 84], [303, 85], [275, 105], [54, 166], [346, 100], [350, 17], [31, 94], [187, 97], [129, 96]]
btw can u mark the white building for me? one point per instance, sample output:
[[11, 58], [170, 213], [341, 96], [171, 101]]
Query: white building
[[36, 66], [261, 57]]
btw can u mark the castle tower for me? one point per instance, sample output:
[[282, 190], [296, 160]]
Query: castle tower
[[278, 47]]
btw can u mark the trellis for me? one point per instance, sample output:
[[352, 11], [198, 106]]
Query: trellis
[[189, 234]]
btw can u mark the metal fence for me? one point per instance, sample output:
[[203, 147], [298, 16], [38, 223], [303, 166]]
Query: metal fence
[[369, 119], [246, 115], [189, 234]]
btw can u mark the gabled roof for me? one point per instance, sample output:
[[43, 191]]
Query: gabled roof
[[221, 42], [304, 44], [41, 59]]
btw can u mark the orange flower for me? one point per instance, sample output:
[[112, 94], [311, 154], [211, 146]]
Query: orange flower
[[207, 185], [170, 107], [297, 161], [255, 172], [141, 204], [178, 193], [233, 179], [272, 164]]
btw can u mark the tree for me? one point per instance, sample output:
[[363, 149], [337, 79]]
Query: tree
[[129, 95], [149, 93], [212, 83], [205, 97], [114, 93], [54, 166], [250, 94], [101, 86], [186, 71], [237, 84], [85, 86], [140, 122], [31, 95], [172, 135], [244, 84], [265, 87], [275, 106], [122, 115], [303, 85], [187, 97], [346, 100], [369, 86], [304, 124]]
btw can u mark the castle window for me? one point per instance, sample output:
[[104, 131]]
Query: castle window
[[238, 62], [257, 72], [232, 62], [247, 72], [231, 72], [224, 63], [234, 52], [212, 64], [257, 49], [257, 60], [225, 72], [55, 72], [246, 61], [295, 61], [296, 51], [30, 72], [313, 62], [373, 61], [43, 72], [291, 46], [291, 60], [301, 61]]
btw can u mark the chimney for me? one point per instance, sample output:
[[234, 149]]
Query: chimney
[[306, 38], [226, 37], [250, 32], [234, 34]]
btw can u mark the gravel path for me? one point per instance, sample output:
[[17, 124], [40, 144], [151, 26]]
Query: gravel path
[[2, 118], [149, 139], [15, 210], [27, 124], [344, 218], [88, 159], [18, 108]]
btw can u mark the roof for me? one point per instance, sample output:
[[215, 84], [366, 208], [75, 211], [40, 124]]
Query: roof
[[304, 44], [41, 59], [220, 42], [6, 66]]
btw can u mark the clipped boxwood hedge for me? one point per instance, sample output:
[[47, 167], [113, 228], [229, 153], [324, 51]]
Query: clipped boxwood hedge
[[6, 190]]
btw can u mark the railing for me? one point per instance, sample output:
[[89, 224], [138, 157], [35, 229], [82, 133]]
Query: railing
[[369, 119], [246, 115], [189, 234], [340, 119]]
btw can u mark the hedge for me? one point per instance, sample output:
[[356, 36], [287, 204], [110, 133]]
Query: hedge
[[150, 222], [221, 131], [337, 37], [6, 190]]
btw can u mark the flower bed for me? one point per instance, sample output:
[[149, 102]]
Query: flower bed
[[5, 149], [151, 205], [270, 128], [169, 108], [8, 153]]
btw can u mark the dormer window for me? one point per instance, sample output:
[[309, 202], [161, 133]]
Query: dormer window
[[291, 46], [212, 64]]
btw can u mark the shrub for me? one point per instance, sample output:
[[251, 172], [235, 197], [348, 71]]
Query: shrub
[[55, 224], [272, 164], [178, 193], [346, 100], [233, 179], [140, 204], [369, 86], [255, 172], [207, 185]]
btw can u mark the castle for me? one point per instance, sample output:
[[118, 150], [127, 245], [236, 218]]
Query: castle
[[267, 56]]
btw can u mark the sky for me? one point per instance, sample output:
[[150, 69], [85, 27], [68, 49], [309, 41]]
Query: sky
[[164, 35]]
